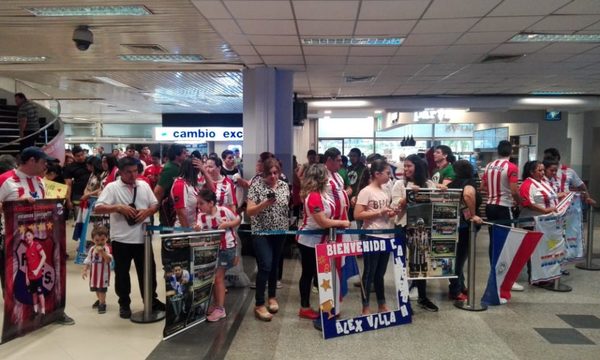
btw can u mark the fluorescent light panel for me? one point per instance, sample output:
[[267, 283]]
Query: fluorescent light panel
[[339, 103], [166, 58], [383, 41], [556, 38], [116, 10], [110, 81], [550, 101], [557, 92], [22, 59]]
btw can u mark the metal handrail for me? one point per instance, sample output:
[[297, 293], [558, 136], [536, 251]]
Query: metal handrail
[[48, 125]]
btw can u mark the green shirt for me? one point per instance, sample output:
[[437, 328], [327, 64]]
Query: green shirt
[[443, 174], [344, 174], [167, 176]]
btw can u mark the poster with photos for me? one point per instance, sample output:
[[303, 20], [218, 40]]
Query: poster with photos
[[433, 217]]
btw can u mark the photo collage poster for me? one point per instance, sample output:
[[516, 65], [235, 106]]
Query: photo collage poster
[[190, 261], [34, 265], [433, 218]]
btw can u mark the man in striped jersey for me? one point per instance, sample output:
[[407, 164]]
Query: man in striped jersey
[[566, 179], [500, 182]]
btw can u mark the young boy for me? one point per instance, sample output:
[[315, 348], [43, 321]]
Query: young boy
[[98, 260], [36, 258]]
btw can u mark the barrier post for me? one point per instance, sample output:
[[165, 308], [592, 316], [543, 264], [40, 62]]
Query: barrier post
[[147, 315], [470, 305], [589, 265]]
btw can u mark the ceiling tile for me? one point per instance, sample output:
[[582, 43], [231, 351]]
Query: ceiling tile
[[273, 40], [420, 50], [212, 9], [515, 48], [274, 60], [225, 26], [363, 69], [383, 27], [431, 39], [325, 10], [543, 58], [527, 7], [443, 9], [470, 49], [292, 67], [335, 27], [583, 7], [368, 60], [312, 59], [565, 22], [273, 10], [392, 9], [326, 50], [515, 23], [444, 25], [236, 39], [244, 50], [373, 51], [472, 38], [268, 27], [457, 58], [412, 59], [279, 50], [251, 60], [568, 48]]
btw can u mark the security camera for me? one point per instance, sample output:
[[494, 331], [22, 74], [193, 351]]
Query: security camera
[[83, 38]]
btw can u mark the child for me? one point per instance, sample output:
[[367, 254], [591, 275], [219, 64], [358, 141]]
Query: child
[[212, 217], [36, 258], [98, 260]]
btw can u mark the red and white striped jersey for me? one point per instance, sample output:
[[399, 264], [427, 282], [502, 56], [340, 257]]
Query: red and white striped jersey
[[15, 184], [212, 222], [538, 193], [99, 269], [315, 202], [185, 196], [225, 191], [335, 191], [497, 177], [565, 180]]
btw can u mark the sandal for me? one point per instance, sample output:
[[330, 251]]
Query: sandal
[[273, 306], [262, 314]]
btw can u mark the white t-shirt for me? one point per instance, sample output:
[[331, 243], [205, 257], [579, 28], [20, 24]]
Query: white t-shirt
[[373, 198], [117, 192], [399, 193]]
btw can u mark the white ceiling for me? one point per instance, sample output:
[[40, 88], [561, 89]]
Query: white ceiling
[[445, 43]]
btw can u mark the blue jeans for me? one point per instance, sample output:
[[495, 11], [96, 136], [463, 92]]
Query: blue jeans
[[375, 265], [268, 249]]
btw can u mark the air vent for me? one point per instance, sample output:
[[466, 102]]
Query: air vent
[[501, 58], [145, 48], [350, 79]]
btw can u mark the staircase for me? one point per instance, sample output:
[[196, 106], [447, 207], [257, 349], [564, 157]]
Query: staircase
[[9, 130]]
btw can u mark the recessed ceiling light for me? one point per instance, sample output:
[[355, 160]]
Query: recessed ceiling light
[[22, 59], [383, 41], [339, 103], [378, 111], [110, 81], [552, 101], [534, 37], [327, 112], [116, 10], [134, 111], [166, 58]]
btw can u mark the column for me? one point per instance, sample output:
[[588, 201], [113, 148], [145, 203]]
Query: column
[[575, 132], [268, 117]]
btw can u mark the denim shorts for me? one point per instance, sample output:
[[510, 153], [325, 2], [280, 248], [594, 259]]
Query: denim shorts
[[226, 258]]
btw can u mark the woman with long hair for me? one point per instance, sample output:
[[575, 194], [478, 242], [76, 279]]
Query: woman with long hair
[[184, 193], [268, 199], [373, 207], [318, 213], [221, 185], [415, 178], [110, 169]]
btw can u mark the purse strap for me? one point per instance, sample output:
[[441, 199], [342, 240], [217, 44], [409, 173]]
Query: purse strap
[[134, 194]]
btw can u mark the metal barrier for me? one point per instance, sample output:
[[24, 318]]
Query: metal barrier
[[589, 265], [470, 305]]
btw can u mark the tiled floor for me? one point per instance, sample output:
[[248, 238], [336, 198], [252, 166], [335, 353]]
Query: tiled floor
[[536, 324]]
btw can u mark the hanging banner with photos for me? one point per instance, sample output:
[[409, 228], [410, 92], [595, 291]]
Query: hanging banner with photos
[[34, 266], [190, 262], [334, 327], [574, 230], [432, 220]]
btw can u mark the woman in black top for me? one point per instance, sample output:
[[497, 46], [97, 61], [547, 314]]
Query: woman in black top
[[469, 209]]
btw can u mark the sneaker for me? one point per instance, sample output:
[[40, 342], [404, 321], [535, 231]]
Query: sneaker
[[517, 287], [216, 315], [157, 305], [279, 284], [95, 305], [65, 320], [503, 301], [308, 314], [124, 312], [210, 309], [460, 297], [101, 308], [427, 305]]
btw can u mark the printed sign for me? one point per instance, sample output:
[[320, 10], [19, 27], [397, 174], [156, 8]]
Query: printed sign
[[190, 261], [191, 134], [55, 190], [35, 272], [333, 327]]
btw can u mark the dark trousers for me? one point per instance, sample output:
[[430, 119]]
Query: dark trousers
[[123, 254], [30, 141], [309, 272], [496, 213], [457, 285], [375, 265], [268, 249]]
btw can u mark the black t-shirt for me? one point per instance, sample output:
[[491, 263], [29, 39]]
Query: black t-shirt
[[229, 173], [79, 173], [460, 184]]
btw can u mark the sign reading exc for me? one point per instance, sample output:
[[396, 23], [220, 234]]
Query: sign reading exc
[[181, 134]]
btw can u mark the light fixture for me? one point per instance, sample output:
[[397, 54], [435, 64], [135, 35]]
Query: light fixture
[[557, 92], [134, 111], [110, 81], [327, 112], [326, 117], [378, 111], [535, 37], [353, 41], [556, 101], [22, 59], [114, 10], [164, 58], [339, 103]]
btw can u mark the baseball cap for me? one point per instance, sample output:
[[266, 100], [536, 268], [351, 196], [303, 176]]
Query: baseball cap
[[35, 152]]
